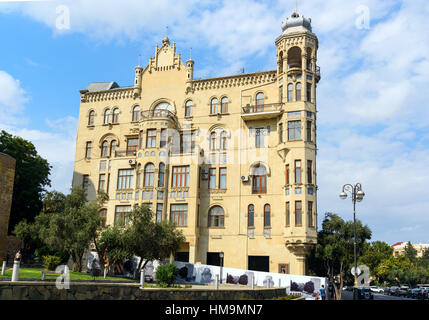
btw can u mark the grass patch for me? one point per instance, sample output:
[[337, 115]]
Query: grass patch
[[35, 273]]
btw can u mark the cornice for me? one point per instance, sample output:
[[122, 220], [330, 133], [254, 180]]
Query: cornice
[[112, 94], [238, 80]]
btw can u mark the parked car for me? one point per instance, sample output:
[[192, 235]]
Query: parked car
[[376, 289], [393, 291], [413, 293], [403, 291], [365, 294], [423, 294]]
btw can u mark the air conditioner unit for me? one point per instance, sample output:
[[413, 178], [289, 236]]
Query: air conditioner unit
[[132, 162], [245, 178]]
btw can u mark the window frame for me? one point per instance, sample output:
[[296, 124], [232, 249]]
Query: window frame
[[220, 178], [136, 114], [179, 217], [115, 115], [150, 138], [267, 215], [298, 168], [180, 177], [125, 179], [214, 219], [214, 102], [298, 213], [250, 216], [188, 108], [148, 175], [88, 149], [224, 105], [132, 148]]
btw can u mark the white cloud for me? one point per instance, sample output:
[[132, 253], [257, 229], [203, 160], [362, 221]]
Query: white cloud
[[12, 99]]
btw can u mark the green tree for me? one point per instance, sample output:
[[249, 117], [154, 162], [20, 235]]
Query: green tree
[[150, 240], [333, 255], [31, 178], [112, 248], [74, 228], [410, 252], [374, 253], [395, 270]]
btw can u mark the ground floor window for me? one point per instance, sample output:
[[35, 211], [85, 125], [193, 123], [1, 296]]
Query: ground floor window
[[259, 263]]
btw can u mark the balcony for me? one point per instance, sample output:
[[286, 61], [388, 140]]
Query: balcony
[[125, 153], [265, 111], [166, 114]]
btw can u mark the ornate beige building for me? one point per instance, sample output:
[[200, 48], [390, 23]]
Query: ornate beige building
[[232, 159]]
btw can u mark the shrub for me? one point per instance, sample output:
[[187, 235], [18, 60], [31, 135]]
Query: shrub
[[166, 274], [51, 262]]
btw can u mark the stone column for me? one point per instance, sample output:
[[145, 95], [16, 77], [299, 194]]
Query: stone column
[[304, 77], [7, 175]]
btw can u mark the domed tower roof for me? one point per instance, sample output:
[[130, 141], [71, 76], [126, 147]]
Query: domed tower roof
[[296, 23]]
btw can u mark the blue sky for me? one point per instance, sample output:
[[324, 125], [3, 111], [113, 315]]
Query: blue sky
[[373, 120]]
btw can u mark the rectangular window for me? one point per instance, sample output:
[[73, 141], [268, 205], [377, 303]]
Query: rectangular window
[[298, 213], [297, 171], [287, 175], [151, 138], [180, 177], [222, 178], [212, 178], [310, 213], [121, 215], [280, 132], [259, 138], [101, 182], [179, 214], [309, 172], [188, 142], [308, 91], [287, 214], [281, 93], [309, 131], [132, 144], [88, 149], [294, 130], [163, 142], [125, 179], [158, 212], [85, 183]]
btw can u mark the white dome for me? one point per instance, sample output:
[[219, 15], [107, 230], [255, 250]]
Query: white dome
[[296, 23]]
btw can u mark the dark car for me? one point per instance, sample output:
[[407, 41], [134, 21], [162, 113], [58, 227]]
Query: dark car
[[365, 294], [403, 291], [413, 293], [393, 291], [423, 294]]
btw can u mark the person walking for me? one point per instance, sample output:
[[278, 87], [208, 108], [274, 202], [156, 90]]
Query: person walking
[[323, 292], [18, 256]]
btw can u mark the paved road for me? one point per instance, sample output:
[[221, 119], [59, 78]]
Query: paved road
[[348, 295]]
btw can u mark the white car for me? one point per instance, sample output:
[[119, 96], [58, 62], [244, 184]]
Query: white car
[[376, 289]]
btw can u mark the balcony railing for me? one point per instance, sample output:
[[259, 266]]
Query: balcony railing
[[262, 108], [125, 153], [158, 114]]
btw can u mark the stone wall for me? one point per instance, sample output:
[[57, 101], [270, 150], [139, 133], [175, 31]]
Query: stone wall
[[7, 175], [31, 290]]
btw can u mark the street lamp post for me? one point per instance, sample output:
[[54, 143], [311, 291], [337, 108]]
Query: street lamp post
[[357, 195], [221, 265]]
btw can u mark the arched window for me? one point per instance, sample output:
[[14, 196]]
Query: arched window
[[104, 149], [259, 184], [163, 109], [224, 105], [251, 215], [113, 148], [281, 62], [294, 59], [216, 217], [115, 118], [149, 171], [267, 215], [107, 116], [103, 215], [188, 108], [91, 118], [260, 102], [298, 91], [213, 141], [290, 92], [161, 174], [223, 140], [136, 113], [213, 106]]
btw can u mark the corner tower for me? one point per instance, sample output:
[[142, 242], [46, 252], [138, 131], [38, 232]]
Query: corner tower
[[297, 78]]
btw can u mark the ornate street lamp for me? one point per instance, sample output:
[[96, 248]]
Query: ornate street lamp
[[357, 195]]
